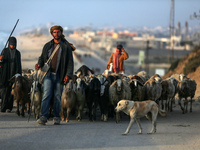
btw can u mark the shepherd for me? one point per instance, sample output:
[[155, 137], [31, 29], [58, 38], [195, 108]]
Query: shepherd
[[117, 60]]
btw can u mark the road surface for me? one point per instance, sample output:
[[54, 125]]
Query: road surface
[[176, 131]]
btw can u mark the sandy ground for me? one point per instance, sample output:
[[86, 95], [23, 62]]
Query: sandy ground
[[31, 48]]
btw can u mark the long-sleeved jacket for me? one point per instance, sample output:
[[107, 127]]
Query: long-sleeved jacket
[[65, 58], [9, 66], [122, 57]]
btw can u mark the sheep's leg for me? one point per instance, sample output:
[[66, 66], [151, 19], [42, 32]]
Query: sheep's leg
[[179, 102], [68, 112], [162, 104], [171, 104], [117, 117], [28, 107], [191, 105], [94, 110], [186, 105], [90, 112], [22, 109], [79, 110], [62, 114], [17, 111]]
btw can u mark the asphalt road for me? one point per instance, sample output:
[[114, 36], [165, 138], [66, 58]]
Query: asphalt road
[[176, 131]]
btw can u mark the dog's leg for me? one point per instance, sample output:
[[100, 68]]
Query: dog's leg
[[154, 117], [139, 125], [129, 127]]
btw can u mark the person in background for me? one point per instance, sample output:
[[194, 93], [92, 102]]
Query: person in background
[[10, 64], [61, 71], [117, 60]]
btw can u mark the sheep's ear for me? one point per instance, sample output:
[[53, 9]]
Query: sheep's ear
[[127, 102]]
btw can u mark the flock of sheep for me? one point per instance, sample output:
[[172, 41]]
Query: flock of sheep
[[104, 92]]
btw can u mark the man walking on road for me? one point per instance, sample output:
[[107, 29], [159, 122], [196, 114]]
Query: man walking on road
[[61, 70]]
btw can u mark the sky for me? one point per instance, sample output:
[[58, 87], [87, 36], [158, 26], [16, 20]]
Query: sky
[[98, 13]]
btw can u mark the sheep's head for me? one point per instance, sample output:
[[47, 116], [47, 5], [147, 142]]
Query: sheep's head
[[80, 84], [70, 86], [119, 85]]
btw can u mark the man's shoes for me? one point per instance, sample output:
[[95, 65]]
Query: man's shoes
[[42, 120], [56, 121]]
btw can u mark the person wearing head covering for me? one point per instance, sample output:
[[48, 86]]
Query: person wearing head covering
[[117, 60], [61, 71], [10, 64]]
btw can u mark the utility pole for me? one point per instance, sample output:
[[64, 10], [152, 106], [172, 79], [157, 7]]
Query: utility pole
[[171, 33], [147, 57]]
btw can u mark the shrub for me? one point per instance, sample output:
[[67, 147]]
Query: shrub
[[192, 64], [174, 65]]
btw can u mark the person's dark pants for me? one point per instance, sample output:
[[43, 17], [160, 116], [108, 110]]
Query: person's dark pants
[[6, 98]]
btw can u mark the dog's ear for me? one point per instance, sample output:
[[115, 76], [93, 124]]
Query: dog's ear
[[126, 102]]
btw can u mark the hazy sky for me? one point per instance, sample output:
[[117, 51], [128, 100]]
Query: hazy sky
[[127, 13]]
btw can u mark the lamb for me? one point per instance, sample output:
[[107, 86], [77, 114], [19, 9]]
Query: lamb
[[21, 92], [68, 101], [186, 88]]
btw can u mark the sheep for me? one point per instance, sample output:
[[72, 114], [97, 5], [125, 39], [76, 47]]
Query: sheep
[[21, 92], [153, 90], [156, 77], [139, 78], [68, 101], [179, 77], [117, 91], [137, 89], [186, 88], [125, 79], [84, 71], [93, 97], [104, 97], [80, 97], [36, 99], [168, 92], [144, 75]]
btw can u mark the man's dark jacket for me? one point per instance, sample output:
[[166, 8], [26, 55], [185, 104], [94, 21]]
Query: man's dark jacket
[[66, 64], [7, 64]]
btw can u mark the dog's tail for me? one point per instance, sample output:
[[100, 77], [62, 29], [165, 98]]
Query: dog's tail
[[162, 113]]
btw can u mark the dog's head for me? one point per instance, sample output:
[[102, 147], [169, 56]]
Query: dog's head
[[122, 105]]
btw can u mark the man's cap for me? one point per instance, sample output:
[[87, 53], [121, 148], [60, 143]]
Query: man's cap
[[12, 40], [56, 28]]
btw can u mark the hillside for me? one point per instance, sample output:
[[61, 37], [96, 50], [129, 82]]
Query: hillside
[[184, 65]]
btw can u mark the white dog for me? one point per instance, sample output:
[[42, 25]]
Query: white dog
[[136, 110]]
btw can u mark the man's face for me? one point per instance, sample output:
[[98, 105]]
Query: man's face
[[12, 46], [57, 34], [118, 50]]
